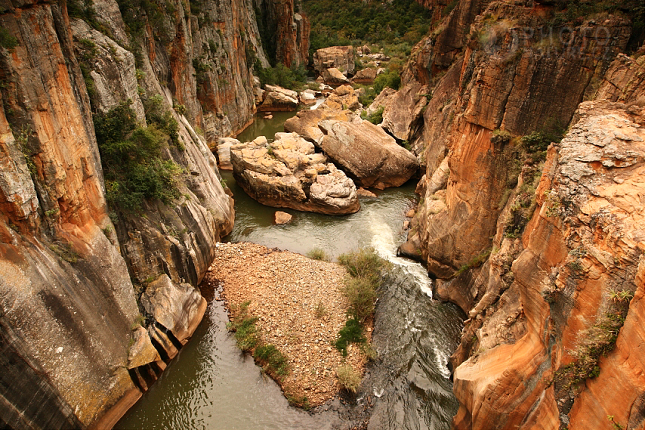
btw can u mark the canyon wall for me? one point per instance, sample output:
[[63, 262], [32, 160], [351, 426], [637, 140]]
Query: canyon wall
[[540, 245], [97, 299], [285, 31]]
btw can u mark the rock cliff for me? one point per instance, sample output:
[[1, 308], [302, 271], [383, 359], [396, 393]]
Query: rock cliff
[[526, 241], [96, 299]]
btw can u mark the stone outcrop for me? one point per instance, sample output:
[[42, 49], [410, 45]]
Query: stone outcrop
[[279, 99], [334, 77], [368, 154], [288, 173], [402, 116], [70, 275], [305, 123], [280, 218], [337, 57], [526, 241], [224, 152], [573, 266], [365, 76]]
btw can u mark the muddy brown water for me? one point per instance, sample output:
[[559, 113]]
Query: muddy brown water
[[211, 385]]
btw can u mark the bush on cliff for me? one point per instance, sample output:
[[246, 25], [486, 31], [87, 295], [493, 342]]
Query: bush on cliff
[[133, 164], [293, 78]]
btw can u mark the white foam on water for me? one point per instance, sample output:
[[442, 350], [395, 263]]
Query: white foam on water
[[383, 241]]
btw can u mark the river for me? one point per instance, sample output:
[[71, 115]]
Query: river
[[211, 385]]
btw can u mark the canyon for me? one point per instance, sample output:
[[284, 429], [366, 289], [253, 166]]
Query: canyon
[[530, 219]]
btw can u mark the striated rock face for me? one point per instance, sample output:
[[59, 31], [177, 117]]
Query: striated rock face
[[582, 247], [285, 31], [497, 87], [367, 153], [541, 249], [71, 276], [288, 173], [337, 57]]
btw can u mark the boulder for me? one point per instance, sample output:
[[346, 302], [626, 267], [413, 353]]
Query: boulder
[[378, 57], [365, 76], [334, 77], [367, 153], [383, 100], [142, 351], [339, 57], [403, 114], [279, 99], [343, 97], [308, 97], [305, 123], [362, 192], [178, 307], [280, 218], [288, 173], [224, 152]]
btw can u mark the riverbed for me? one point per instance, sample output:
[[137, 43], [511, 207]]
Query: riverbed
[[211, 385]]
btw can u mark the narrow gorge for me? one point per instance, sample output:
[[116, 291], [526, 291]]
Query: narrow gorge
[[520, 126]]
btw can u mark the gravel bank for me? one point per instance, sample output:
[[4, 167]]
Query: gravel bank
[[287, 292]]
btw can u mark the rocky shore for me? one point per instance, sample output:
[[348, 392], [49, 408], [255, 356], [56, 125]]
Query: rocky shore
[[300, 310]]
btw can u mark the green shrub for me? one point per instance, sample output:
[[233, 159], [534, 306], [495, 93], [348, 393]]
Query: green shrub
[[318, 254], [7, 40], [391, 79], [132, 160], [363, 263], [244, 328], [157, 114], [361, 293], [293, 78], [352, 332], [348, 378], [375, 117], [275, 362]]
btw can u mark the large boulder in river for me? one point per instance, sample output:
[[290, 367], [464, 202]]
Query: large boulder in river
[[339, 57], [305, 123], [334, 77], [367, 153], [343, 97], [288, 173], [279, 99]]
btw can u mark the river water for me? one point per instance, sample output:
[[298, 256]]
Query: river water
[[211, 385]]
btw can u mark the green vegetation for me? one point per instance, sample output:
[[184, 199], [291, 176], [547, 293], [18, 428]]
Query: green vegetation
[[348, 378], [64, 251], [243, 325], [597, 342], [476, 261], [134, 167], [273, 360], [318, 254], [248, 339], [7, 40], [375, 117], [162, 118], [358, 22], [352, 332], [293, 78], [365, 269], [391, 79]]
